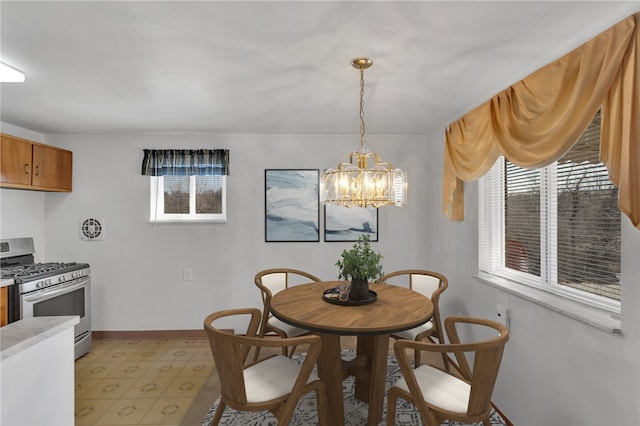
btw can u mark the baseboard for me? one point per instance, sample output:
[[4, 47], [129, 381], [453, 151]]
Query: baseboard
[[149, 334]]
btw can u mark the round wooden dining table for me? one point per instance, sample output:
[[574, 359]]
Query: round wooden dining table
[[395, 309]]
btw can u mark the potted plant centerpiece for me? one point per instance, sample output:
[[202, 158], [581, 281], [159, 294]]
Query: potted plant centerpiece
[[360, 264]]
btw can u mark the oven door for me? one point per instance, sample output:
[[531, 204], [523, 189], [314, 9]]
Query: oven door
[[70, 298]]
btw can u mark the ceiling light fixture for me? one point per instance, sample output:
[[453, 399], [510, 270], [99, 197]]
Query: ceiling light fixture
[[354, 183], [10, 75]]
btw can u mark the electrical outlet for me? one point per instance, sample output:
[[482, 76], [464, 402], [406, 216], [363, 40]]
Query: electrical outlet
[[187, 274], [502, 315]]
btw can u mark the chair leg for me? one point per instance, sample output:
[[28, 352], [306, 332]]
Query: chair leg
[[391, 407], [219, 412], [486, 422], [416, 358]]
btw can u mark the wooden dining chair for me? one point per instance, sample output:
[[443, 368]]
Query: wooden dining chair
[[462, 396], [275, 383], [270, 282], [431, 284]]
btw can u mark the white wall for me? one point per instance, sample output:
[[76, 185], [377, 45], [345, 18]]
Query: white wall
[[137, 269], [555, 371]]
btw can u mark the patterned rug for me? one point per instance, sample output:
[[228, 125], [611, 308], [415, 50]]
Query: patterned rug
[[355, 411]]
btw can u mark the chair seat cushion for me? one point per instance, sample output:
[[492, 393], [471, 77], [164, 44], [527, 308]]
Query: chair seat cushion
[[411, 334], [440, 388], [272, 378], [290, 330]]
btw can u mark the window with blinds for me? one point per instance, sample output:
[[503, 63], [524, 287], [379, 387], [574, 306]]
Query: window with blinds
[[188, 198], [556, 228]]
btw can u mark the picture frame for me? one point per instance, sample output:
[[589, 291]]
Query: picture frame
[[292, 205], [348, 223]]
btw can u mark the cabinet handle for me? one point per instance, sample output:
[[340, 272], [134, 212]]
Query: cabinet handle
[[37, 170], [26, 168]]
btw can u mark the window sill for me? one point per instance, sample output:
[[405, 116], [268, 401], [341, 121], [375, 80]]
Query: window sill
[[578, 311]]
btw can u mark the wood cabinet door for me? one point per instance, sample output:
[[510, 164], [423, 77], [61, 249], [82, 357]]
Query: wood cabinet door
[[15, 161], [52, 168], [4, 306]]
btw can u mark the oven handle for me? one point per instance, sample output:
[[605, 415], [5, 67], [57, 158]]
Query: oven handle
[[46, 294]]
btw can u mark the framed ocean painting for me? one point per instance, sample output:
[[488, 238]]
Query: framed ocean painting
[[348, 223], [292, 205]]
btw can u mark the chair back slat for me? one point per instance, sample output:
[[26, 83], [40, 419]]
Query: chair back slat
[[275, 282], [425, 284], [485, 373]]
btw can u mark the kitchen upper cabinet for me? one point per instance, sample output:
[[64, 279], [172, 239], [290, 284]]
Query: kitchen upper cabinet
[[31, 165]]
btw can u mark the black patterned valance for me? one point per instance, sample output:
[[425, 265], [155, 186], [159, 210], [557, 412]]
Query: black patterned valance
[[185, 162]]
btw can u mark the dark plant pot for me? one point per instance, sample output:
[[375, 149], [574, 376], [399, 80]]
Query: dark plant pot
[[359, 289]]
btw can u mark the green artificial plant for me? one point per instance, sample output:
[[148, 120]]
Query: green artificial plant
[[360, 262]]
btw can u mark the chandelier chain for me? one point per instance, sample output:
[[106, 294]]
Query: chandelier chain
[[362, 129]]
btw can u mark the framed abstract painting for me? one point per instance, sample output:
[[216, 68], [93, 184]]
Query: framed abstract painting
[[292, 205], [348, 223]]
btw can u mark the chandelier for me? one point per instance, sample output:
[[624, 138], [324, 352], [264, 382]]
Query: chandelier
[[362, 179]]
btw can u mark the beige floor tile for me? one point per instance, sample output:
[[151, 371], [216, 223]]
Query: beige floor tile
[[165, 368], [203, 353], [83, 386], [197, 368], [87, 411], [87, 358], [118, 354], [184, 387], [162, 344], [147, 354], [191, 343], [148, 387], [125, 412], [131, 369], [97, 370], [179, 354], [167, 411], [109, 389]]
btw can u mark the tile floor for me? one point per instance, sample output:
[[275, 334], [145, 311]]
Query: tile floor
[[140, 382]]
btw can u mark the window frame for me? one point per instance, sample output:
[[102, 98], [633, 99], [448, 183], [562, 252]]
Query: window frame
[[156, 204], [596, 310]]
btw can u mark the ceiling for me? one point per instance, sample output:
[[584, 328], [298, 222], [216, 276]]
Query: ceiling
[[271, 67]]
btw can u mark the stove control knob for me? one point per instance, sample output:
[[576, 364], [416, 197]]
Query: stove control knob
[[61, 278], [43, 283]]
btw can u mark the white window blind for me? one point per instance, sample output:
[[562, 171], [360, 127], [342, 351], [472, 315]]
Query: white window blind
[[556, 228]]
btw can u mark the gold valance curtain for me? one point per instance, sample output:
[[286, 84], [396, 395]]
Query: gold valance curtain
[[535, 121]]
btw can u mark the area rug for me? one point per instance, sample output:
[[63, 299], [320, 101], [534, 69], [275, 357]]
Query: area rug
[[355, 411]]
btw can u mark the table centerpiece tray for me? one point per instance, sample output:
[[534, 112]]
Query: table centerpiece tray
[[332, 296]]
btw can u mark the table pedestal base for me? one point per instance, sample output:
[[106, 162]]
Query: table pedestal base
[[369, 369]]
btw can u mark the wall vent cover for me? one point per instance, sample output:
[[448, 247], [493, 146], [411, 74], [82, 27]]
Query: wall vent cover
[[92, 229]]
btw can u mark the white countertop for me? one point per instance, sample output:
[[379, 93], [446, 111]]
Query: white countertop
[[4, 282], [20, 335]]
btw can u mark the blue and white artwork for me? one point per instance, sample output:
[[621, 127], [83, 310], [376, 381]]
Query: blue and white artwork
[[348, 223], [292, 205]]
